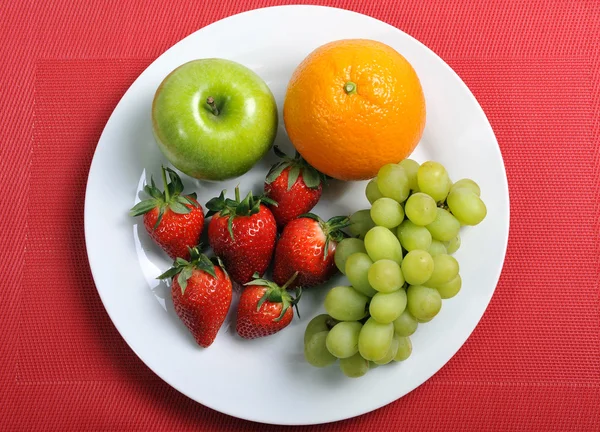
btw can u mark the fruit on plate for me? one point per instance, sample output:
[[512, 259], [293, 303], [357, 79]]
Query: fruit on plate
[[353, 106], [214, 118], [174, 221], [294, 185], [315, 341], [265, 308], [390, 293], [345, 248], [242, 233], [201, 292], [307, 245]]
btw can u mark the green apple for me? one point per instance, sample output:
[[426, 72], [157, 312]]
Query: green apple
[[214, 119]]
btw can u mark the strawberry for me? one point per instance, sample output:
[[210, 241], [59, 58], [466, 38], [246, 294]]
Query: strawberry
[[201, 295], [265, 308], [242, 234], [307, 246], [294, 185], [174, 221]]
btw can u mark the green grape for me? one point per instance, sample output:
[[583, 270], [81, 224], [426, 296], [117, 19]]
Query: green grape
[[404, 348], [315, 350], [413, 237], [405, 324], [387, 213], [386, 307], [375, 339], [355, 366], [360, 223], [392, 182], [342, 340], [344, 249], [385, 276], [423, 302], [381, 243], [391, 352], [417, 267], [467, 184], [437, 248], [450, 289], [453, 245], [372, 191], [411, 168], [357, 272], [421, 209], [466, 206], [445, 226], [318, 324], [344, 303], [445, 268], [433, 180]]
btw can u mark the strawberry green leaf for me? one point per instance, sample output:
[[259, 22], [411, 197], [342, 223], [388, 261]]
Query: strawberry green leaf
[[143, 207], [206, 265], [255, 209], [243, 207], [176, 186], [192, 198], [178, 208], [284, 307], [296, 300], [215, 205], [186, 200], [183, 278], [268, 200], [170, 273], [260, 282], [311, 216], [181, 262], [311, 177], [262, 300], [230, 227], [326, 250], [278, 152], [161, 213], [275, 172], [153, 191], [293, 176], [338, 221]]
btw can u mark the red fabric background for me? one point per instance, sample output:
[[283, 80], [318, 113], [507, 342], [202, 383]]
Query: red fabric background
[[533, 363]]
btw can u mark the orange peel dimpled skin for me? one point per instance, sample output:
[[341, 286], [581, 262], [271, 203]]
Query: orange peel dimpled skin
[[353, 106]]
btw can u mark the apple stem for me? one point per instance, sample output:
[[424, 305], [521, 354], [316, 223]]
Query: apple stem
[[213, 107]]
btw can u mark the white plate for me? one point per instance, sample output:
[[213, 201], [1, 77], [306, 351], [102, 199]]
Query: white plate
[[267, 380]]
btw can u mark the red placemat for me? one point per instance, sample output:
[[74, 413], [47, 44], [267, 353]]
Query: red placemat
[[533, 363]]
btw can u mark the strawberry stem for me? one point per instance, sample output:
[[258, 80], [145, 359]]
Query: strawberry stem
[[290, 281], [164, 177], [237, 194]]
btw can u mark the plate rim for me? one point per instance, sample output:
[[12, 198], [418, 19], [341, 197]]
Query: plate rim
[[87, 216]]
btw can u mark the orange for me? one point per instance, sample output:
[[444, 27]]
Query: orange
[[353, 106]]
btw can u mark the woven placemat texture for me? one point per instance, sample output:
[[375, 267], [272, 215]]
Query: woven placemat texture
[[532, 364]]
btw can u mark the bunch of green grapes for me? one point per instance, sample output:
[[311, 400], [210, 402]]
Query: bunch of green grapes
[[399, 265]]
